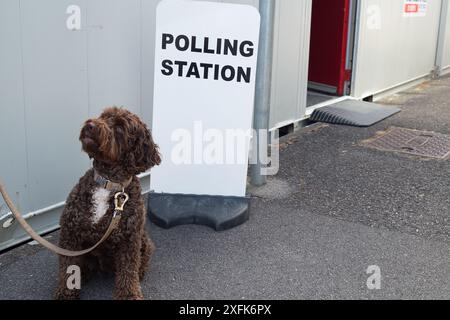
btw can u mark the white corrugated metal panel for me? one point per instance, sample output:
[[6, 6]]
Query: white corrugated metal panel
[[393, 49], [13, 153], [52, 79], [291, 57]]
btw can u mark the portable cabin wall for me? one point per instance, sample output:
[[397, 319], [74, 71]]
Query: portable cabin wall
[[291, 61], [393, 49], [52, 79]]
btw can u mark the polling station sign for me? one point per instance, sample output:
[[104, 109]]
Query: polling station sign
[[206, 45], [205, 72]]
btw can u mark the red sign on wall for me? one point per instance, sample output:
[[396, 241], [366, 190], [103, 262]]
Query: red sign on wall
[[411, 8], [415, 8]]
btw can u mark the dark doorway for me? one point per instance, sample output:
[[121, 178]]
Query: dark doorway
[[331, 46]]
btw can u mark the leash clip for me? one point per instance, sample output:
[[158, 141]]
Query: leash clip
[[120, 199]]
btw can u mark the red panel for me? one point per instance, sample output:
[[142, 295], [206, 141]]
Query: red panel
[[329, 33]]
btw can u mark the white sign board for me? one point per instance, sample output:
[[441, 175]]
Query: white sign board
[[415, 8], [205, 71]]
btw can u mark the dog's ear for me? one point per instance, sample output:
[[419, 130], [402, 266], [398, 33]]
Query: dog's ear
[[151, 151], [145, 154]]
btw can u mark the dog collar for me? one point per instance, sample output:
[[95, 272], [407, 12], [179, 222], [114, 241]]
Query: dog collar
[[110, 185]]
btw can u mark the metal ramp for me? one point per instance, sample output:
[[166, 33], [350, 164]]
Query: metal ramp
[[353, 113]]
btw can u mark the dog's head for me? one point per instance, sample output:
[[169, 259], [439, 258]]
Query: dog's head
[[119, 139]]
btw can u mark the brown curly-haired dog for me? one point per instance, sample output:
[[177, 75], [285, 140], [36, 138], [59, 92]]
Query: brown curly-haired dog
[[122, 147]]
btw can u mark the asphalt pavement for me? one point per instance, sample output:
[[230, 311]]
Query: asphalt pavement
[[334, 209]]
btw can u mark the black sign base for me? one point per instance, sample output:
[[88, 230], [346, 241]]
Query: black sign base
[[220, 213]]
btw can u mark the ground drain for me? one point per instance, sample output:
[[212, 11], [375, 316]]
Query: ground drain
[[415, 142]]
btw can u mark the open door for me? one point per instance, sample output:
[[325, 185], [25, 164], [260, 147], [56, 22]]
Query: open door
[[331, 47]]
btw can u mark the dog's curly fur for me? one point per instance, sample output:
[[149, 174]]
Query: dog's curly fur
[[122, 147]]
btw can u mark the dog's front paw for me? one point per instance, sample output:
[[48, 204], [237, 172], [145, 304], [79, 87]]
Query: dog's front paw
[[66, 294]]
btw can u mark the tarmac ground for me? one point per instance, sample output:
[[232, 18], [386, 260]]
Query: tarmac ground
[[335, 209]]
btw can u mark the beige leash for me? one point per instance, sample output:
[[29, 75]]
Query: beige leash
[[120, 199]]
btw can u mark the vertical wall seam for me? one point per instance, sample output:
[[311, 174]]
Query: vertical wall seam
[[24, 105], [356, 48], [303, 60], [440, 48], [299, 75], [88, 86], [275, 60]]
